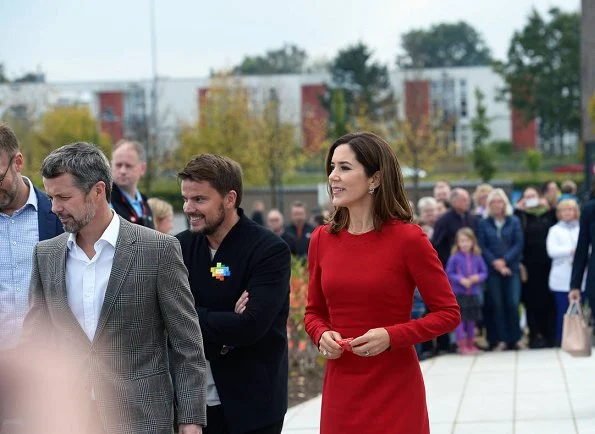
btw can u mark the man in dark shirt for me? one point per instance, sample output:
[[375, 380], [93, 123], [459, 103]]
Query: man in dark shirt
[[300, 228], [275, 224], [239, 274], [454, 219], [128, 167], [584, 259], [443, 238]]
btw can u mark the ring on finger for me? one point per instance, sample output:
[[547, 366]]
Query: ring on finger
[[324, 353], [367, 353]]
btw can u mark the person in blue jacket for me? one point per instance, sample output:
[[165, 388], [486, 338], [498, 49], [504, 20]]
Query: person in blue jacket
[[501, 241]]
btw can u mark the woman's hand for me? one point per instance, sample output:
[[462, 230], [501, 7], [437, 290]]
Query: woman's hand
[[328, 346], [372, 343]]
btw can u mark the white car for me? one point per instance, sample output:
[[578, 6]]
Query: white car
[[408, 172]]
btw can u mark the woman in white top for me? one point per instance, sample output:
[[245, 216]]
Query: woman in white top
[[561, 243]]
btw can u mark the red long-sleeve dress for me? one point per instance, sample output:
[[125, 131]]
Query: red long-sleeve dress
[[361, 282]]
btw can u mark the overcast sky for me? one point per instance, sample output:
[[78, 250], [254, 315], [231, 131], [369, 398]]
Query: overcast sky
[[110, 39]]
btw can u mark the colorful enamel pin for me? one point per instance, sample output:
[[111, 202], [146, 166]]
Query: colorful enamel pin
[[220, 272]]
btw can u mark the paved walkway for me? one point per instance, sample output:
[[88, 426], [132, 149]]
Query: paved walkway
[[525, 392]]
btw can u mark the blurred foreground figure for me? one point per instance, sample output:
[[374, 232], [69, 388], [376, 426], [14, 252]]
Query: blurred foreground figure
[[107, 296]]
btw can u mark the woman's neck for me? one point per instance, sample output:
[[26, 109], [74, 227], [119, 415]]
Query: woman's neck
[[361, 219]]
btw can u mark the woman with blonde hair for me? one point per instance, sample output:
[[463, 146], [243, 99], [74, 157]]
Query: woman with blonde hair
[[163, 214], [480, 196], [561, 243], [501, 241]]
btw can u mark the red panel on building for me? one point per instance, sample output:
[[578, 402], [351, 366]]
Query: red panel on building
[[524, 134], [111, 114], [417, 99], [314, 117]]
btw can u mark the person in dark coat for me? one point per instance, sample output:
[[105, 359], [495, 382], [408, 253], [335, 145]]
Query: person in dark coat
[[537, 218], [446, 227], [239, 274], [300, 228], [443, 238], [275, 224], [583, 258], [128, 166], [501, 241]]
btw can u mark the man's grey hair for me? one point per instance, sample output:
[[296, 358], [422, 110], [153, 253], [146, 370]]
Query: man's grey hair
[[455, 193], [85, 162], [136, 146], [425, 202]]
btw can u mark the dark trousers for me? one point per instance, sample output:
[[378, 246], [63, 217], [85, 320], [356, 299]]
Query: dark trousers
[[505, 298], [488, 321], [216, 423], [561, 299], [541, 320]]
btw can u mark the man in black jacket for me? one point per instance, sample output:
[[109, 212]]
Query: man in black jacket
[[239, 274], [128, 166], [443, 238], [583, 258], [300, 228], [446, 227]]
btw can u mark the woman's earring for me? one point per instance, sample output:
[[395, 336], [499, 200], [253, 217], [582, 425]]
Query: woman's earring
[[371, 190]]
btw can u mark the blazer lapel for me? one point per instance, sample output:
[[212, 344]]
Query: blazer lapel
[[120, 269], [59, 288]]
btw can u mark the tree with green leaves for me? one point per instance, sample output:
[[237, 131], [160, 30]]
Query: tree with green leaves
[[533, 160], [483, 155], [365, 84], [289, 59], [542, 74], [444, 45]]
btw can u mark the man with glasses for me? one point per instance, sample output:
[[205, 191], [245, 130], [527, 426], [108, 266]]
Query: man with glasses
[[25, 219]]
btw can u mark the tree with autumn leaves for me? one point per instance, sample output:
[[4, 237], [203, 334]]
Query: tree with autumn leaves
[[249, 130], [57, 126]]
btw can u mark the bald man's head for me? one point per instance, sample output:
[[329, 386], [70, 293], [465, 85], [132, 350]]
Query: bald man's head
[[275, 221], [459, 199]]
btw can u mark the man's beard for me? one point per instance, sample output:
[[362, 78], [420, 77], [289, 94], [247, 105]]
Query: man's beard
[[211, 227], [76, 225], [8, 197]]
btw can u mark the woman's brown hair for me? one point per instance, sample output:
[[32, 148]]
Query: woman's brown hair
[[376, 155]]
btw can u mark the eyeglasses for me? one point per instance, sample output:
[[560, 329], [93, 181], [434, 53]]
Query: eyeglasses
[[6, 171]]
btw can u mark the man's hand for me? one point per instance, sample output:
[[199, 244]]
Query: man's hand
[[371, 343], [241, 303], [574, 295], [328, 346], [187, 428]]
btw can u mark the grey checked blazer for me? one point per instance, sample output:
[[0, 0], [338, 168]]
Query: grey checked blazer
[[147, 301]]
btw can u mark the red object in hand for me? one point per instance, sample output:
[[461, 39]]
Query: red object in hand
[[345, 343]]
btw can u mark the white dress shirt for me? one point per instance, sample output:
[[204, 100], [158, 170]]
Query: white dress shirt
[[86, 279]]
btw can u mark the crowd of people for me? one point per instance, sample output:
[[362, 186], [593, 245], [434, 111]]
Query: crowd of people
[[143, 332], [505, 261]]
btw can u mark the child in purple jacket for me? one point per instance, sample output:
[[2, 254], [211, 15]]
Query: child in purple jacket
[[466, 269]]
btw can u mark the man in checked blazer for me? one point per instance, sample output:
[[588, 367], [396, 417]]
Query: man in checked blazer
[[110, 294]]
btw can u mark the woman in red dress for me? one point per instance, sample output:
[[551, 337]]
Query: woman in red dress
[[364, 267]]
